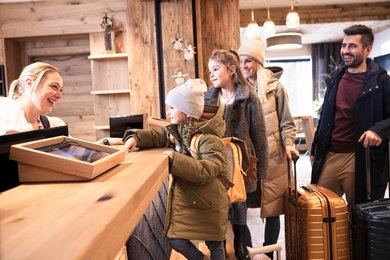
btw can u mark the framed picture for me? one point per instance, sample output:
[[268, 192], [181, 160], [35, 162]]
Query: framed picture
[[64, 158], [75, 151]]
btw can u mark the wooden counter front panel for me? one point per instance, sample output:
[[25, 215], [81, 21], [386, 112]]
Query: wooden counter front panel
[[87, 220]]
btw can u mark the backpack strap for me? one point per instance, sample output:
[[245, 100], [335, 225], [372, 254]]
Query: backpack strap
[[194, 145], [45, 121], [248, 163]]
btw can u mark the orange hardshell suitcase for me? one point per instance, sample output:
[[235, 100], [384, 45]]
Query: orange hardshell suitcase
[[316, 223]]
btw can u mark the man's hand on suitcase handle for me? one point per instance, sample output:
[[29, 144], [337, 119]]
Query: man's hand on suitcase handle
[[370, 138]]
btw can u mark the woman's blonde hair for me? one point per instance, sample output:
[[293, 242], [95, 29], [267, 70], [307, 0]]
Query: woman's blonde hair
[[36, 72], [230, 58]]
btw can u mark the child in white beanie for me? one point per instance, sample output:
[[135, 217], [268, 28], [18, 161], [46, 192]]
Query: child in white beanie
[[197, 207], [280, 123]]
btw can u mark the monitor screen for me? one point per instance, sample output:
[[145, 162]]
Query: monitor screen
[[119, 124], [9, 173]]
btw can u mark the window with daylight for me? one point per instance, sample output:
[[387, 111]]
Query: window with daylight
[[297, 80]]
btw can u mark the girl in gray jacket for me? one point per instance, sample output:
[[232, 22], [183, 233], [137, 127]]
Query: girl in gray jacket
[[244, 119]]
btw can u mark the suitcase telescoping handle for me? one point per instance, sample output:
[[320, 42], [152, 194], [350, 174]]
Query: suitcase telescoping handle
[[295, 159], [368, 171]]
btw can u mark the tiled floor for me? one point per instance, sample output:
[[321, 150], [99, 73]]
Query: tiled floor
[[256, 224]]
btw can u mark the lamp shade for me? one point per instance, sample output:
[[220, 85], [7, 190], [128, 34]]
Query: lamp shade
[[252, 29], [284, 41], [292, 19], [268, 28]]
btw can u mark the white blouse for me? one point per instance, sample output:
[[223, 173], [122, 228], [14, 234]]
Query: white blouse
[[12, 117]]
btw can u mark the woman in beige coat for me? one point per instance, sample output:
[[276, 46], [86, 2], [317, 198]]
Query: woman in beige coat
[[197, 207], [281, 132]]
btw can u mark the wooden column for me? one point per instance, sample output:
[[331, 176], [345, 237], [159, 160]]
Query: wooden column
[[141, 38], [218, 27], [176, 22]]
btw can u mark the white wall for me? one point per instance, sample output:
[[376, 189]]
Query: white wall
[[381, 43]]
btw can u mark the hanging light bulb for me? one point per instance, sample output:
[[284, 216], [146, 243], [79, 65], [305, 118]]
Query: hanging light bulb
[[292, 19], [268, 26], [252, 26]]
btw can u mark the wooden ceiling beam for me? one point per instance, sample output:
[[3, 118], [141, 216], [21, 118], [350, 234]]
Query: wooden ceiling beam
[[322, 13]]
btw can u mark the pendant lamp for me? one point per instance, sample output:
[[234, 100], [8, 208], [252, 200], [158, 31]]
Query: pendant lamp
[[268, 26], [252, 26], [292, 19]]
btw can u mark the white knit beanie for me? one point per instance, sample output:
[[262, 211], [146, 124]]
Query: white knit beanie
[[188, 97], [254, 48]]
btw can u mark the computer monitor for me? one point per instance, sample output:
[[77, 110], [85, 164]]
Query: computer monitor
[[119, 124], [9, 173]]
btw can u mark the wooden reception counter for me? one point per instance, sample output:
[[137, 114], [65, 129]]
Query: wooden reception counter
[[80, 220]]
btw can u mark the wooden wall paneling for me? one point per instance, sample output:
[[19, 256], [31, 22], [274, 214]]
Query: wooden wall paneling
[[56, 45], [177, 23], [96, 43], [220, 28], [110, 74], [81, 127], [1, 47], [76, 105], [199, 45], [12, 60], [107, 105], [141, 36], [59, 17]]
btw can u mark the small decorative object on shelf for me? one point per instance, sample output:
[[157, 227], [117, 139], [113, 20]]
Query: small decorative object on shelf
[[179, 78], [106, 25]]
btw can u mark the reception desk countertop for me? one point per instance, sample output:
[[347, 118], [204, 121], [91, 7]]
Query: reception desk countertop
[[80, 220]]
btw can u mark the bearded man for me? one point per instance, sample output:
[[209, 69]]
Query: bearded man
[[355, 115]]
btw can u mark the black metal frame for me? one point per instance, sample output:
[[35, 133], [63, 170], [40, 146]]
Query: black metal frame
[[160, 58], [3, 85]]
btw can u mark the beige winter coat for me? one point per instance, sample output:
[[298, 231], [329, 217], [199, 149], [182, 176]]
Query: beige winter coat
[[281, 131]]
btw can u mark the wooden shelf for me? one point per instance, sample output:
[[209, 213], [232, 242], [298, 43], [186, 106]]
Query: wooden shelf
[[110, 91], [108, 56], [101, 127], [110, 81]]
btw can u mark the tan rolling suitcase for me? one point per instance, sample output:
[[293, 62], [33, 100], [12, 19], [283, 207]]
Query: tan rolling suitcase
[[316, 222]]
